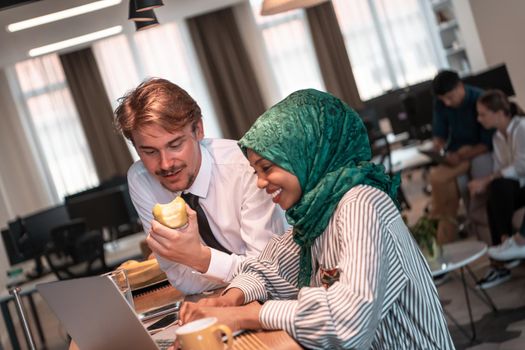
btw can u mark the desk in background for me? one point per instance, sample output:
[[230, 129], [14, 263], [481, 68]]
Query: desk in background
[[28, 291], [404, 159], [408, 158], [115, 253], [122, 249]]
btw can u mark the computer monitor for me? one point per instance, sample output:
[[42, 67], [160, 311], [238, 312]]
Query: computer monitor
[[13, 253], [419, 107], [117, 182], [27, 237], [39, 226], [493, 78], [101, 209]]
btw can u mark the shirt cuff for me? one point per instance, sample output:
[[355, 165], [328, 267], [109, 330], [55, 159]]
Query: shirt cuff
[[509, 172], [220, 265], [251, 287], [279, 314]]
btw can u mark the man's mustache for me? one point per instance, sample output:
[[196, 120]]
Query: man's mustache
[[167, 172]]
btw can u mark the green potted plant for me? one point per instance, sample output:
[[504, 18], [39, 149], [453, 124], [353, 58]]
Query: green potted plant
[[424, 232]]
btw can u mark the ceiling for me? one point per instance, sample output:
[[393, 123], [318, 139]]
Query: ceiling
[[5, 4], [14, 46]]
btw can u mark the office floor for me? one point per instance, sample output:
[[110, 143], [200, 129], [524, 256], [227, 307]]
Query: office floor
[[502, 331]]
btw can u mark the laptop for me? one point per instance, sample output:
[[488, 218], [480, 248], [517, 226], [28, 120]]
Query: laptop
[[96, 315]]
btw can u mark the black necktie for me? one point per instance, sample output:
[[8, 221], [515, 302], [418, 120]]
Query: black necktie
[[204, 227]]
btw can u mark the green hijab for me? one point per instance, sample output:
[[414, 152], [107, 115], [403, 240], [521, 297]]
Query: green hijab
[[323, 142]]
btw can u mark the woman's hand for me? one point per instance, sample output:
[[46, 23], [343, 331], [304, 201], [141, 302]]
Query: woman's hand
[[232, 297], [237, 317], [180, 245]]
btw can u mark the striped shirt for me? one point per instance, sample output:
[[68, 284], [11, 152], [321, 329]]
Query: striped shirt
[[385, 297]]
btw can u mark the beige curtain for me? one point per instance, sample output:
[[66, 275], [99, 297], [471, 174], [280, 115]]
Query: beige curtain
[[110, 153], [228, 72], [332, 55]]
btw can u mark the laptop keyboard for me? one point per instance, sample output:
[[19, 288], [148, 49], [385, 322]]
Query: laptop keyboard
[[164, 344]]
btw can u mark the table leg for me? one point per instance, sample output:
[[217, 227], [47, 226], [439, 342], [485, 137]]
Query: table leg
[[38, 324], [486, 298], [9, 325], [469, 307], [456, 323]]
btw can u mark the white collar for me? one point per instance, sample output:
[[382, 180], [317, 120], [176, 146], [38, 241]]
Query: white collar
[[513, 122], [201, 184], [510, 128]]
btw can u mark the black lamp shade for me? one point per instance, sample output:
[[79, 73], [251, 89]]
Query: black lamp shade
[[144, 5], [145, 24], [140, 16]]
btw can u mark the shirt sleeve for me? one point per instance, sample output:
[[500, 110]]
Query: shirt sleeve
[[439, 122], [260, 220], [496, 154], [346, 314], [517, 168], [272, 275], [180, 276]]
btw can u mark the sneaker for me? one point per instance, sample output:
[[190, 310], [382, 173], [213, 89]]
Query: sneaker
[[508, 250], [493, 277], [512, 264]]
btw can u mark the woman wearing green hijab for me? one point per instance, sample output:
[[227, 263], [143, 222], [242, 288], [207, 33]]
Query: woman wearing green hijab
[[348, 275]]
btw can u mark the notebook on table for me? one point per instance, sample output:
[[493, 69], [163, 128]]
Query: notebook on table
[[97, 316]]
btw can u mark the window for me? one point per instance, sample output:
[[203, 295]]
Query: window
[[388, 43], [54, 121], [289, 45], [164, 51]]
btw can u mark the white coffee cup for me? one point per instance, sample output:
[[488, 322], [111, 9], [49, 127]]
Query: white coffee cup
[[204, 334]]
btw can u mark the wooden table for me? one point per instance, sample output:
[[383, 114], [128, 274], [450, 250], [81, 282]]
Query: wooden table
[[271, 339]]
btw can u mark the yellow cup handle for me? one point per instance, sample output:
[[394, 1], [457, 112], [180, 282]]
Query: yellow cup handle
[[227, 332]]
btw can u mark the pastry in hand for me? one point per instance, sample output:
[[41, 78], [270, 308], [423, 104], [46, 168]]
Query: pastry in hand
[[173, 214], [142, 272]]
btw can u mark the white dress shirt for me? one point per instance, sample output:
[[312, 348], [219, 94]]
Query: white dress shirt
[[384, 298], [242, 217], [509, 151]]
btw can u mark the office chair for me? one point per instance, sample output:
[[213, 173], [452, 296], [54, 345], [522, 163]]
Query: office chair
[[75, 252]]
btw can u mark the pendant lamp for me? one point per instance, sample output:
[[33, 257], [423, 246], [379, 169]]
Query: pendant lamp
[[142, 25], [144, 5], [140, 16], [271, 7]]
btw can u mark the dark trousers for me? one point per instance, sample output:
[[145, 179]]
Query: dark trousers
[[505, 197]]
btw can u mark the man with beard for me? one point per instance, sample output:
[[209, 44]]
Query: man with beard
[[235, 219]]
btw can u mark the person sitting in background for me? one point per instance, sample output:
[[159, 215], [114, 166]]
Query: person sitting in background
[[455, 129], [349, 274], [165, 126], [505, 185]]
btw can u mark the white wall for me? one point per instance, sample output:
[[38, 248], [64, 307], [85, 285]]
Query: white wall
[[470, 35], [501, 29]]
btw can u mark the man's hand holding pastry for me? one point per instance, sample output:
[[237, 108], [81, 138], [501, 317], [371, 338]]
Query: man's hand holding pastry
[[181, 245]]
